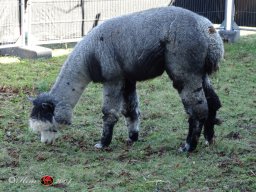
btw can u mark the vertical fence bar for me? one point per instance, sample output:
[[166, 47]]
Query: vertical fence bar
[[29, 23], [22, 26], [231, 31], [229, 15]]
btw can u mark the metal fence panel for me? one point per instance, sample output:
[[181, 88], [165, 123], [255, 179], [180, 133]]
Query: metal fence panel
[[55, 20], [68, 20], [50, 21], [9, 22], [245, 12], [212, 9]]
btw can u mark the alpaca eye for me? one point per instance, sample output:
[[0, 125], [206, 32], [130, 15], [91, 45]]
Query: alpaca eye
[[47, 106]]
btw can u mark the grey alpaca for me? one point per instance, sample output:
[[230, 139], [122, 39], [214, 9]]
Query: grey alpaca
[[136, 47]]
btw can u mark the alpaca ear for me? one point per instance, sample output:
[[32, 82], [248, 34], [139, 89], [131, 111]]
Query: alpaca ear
[[63, 113]]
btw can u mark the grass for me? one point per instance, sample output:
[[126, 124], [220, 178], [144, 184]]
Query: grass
[[153, 163]]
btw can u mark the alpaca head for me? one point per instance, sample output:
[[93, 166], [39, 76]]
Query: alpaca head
[[47, 116]]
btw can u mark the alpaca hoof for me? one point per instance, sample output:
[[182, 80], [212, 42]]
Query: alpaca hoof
[[98, 146], [208, 143], [129, 142], [185, 148], [218, 121]]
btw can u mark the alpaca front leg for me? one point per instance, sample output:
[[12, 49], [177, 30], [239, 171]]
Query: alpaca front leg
[[111, 108], [131, 110]]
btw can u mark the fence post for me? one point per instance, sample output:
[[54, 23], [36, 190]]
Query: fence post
[[230, 32], [22, 18], [29, 23], [229, 14]]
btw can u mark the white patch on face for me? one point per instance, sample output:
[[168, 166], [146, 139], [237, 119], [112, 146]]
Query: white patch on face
[[48, 130], [39, 126]]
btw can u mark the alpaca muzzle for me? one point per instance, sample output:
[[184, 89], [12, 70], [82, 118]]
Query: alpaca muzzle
[[48, 131]]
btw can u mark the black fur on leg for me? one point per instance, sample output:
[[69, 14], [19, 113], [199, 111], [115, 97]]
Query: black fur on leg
[[214, 105], [112, 99], [190, 129], [109, 121], [209, 127], [130, 109], [195, 128], [130, 102]]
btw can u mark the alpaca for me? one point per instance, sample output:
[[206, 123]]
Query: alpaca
[[136, 47]]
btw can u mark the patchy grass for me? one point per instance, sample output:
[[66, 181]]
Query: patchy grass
[[153, 163]]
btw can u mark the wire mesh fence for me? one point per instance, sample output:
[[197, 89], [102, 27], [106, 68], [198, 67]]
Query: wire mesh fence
[[57, 21], [213, 10], [245, 14], [9, 23], [69, 20], [245, 10]]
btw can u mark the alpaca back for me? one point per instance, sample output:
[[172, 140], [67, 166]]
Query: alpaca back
[[135, 45]]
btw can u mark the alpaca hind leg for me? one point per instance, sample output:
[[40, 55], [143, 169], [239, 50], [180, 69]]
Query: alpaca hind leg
[[112, 95], [214, 105], [186, 72], [130, 110], [195, 128], [195, 104]]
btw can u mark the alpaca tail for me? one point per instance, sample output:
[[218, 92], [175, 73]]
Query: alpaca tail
[[215, 51]]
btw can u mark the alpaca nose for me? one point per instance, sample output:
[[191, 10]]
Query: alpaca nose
[[49, 137]]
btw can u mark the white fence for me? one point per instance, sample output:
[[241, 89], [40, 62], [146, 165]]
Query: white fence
[[57, 21], [34, 22], [10, 23]]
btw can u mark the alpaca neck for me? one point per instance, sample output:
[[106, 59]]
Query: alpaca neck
[[73, 78]]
